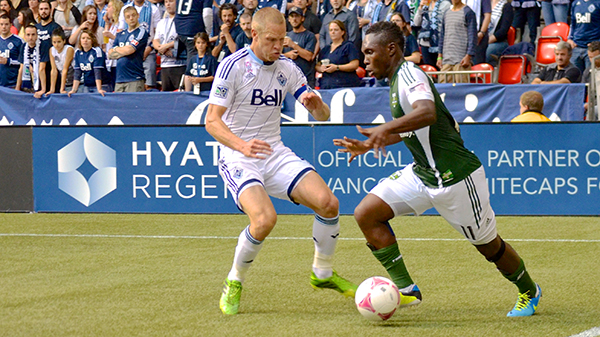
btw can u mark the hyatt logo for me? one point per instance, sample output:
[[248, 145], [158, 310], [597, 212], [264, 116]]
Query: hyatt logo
[[101, 157]]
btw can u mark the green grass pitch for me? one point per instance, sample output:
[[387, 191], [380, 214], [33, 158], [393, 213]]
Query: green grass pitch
[[161, 275]]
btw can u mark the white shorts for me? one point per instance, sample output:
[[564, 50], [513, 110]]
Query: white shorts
[[465, 205], [279, 173]]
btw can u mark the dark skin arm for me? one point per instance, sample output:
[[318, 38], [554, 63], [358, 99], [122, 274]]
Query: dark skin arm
[[387, 134]]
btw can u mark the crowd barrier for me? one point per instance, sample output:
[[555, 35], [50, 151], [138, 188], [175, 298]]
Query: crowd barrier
[[532, 169], [467, 103]]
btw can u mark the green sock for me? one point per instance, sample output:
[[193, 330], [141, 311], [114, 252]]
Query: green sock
[[393, 262], [522, 280]]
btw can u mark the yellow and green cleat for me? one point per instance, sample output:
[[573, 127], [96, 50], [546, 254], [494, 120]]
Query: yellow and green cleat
[[334, 282], [230, 298]]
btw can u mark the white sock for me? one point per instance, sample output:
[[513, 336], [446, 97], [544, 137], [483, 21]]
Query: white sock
[[245, 252], [325, 235]]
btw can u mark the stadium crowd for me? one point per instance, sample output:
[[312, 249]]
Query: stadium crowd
[[78, 46]]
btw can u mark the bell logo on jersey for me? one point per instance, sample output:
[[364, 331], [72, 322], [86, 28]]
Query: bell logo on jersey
[[269, 100], [586, 18], [5, 54], [85, 67]]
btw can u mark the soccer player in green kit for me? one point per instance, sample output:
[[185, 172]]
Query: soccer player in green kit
[[444, 175]]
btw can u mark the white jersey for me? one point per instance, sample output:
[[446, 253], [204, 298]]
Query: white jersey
[[253, 93]]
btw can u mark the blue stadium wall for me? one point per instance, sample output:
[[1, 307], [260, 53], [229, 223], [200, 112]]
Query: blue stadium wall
[[532, 169]]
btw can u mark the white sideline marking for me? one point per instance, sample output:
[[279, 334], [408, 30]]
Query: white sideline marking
[[593, 332], [204, 237]]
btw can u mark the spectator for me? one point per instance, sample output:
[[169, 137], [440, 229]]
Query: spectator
[[34, 5], [111, 19], [532, 104], [89, 21], [299, 45], [45, 28], [593, 51], [483, 14], [248, 6], [62, 55], [28, 78], [7, 7], [585, 16], [502, 17], [411, 47], [385, 8], [172, 68], [89, 65], [244, 40], [18, 5], [229, 32], [216, 23], [100, 6], [364, 10], [563, 71], [201, 69], [280, 5], [457, 47], [188, 23], [25, 18], [526, 10], [311, 21], [338, 61], [149, 15], [67, 16], [10, 47], [555, 11], [129, 52], [429, 18], [323, 7], [348, 18]]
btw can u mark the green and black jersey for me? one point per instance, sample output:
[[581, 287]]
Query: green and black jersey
[[441, 158]]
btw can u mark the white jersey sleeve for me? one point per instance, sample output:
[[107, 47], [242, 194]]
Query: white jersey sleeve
[[223, 89], [415, 83]]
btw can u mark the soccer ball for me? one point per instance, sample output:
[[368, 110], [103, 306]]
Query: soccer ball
[[377, 298]]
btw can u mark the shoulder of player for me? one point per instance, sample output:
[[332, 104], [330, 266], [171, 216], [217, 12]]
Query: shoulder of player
[[409, 73], [230, 62]]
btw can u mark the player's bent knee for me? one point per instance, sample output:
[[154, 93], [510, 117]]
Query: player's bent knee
[[328, 206]]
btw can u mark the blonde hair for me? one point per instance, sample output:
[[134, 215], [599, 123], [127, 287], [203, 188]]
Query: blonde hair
[[266, 16], [116, 5]]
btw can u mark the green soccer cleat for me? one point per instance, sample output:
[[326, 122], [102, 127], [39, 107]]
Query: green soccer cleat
[[526, 305], [230, 298], [334, 282], [410, 297]]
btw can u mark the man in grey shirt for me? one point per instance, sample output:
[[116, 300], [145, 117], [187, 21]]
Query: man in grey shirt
[[458, 38], [340, 12]]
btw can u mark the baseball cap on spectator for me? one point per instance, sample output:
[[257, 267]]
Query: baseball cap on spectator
[[296, 10]]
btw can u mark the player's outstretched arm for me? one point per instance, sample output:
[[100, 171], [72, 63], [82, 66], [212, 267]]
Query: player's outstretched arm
[[254, 148], [353, 146], [315, 105], [423, 114]]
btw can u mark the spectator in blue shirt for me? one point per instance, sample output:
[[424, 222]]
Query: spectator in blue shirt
[[10, 46], [300, 43], [45, 28], [28, 78], [411, 46], [201, 68], [89, 65], [338, 61], [229, 32], [129, 51], [192, 17], [585, 28], [245, 39]]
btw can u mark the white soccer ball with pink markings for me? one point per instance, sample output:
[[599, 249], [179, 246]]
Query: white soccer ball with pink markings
[[377, 298]]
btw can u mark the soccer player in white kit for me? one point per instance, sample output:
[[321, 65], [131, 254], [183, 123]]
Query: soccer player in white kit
[[244, 116]]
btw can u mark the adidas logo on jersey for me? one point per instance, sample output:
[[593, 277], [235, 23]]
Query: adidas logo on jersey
[[269, 100]]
